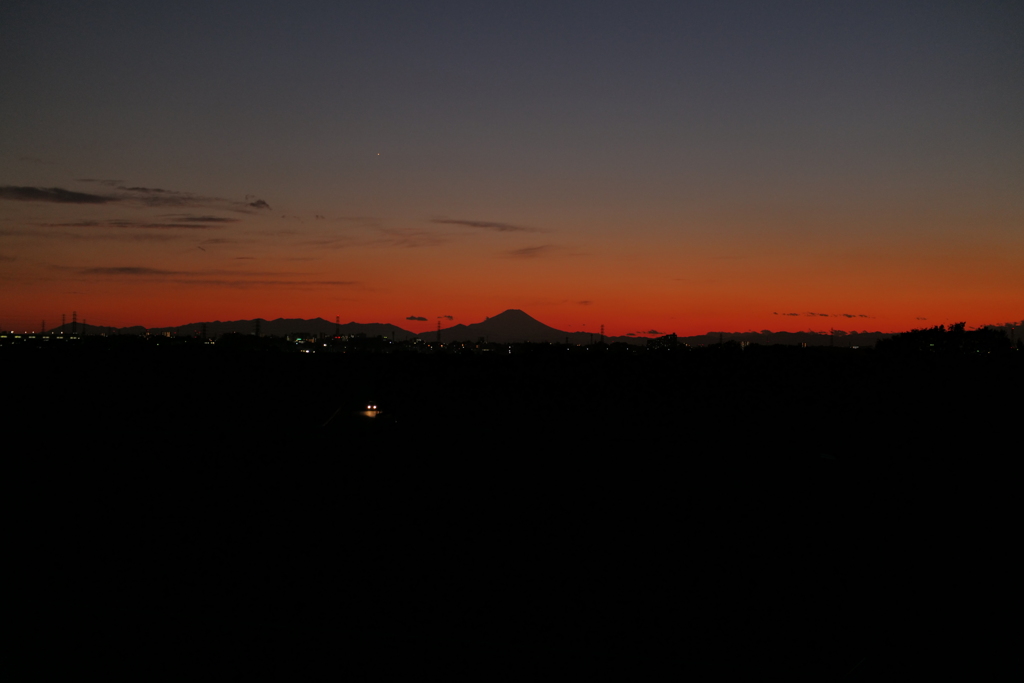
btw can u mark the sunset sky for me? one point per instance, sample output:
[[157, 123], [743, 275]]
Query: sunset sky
[[673, 166]]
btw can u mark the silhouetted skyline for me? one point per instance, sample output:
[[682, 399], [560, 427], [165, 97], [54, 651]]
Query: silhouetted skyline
[[509, 327]]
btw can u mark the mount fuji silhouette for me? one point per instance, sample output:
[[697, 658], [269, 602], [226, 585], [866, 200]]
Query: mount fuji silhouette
[[509, 327]]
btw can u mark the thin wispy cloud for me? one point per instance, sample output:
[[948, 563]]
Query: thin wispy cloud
[[101, 181], [410, 238], [368, 233], [224, 240], [241, 283], [203, 278], [825, 315], [530, 252], [337, 242], [365, 221], [487, 225]]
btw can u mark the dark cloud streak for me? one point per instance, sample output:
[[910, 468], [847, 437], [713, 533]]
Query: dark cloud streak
[[489, 225], [126, 270], [51, 194], [202, 278], [202, 219], [120, 224], [144, 237], [158, 196]]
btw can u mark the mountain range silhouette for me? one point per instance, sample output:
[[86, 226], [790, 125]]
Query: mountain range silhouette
[[509, 327]]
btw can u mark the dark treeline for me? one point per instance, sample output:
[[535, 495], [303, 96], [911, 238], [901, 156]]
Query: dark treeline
[[957, 339], [777, 509]]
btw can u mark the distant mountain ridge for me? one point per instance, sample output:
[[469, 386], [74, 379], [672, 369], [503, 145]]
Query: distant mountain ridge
[[514, 326], [279, 327]]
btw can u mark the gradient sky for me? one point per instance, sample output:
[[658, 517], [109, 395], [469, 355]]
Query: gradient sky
[[678, 166]]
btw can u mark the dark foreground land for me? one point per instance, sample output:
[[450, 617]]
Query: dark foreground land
[[555, 511]]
